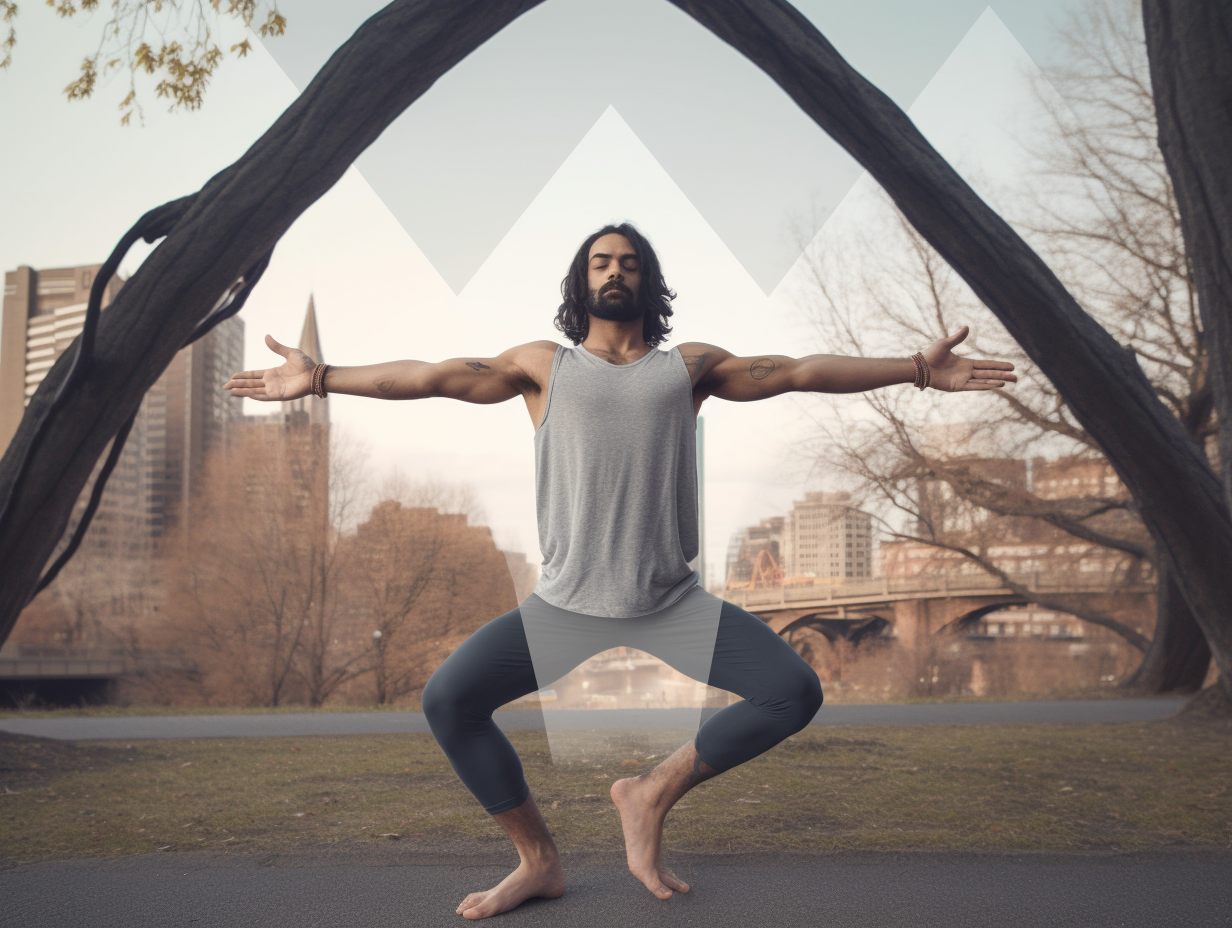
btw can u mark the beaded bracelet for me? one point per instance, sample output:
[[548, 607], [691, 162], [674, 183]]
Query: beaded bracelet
[[923, 376], [318, 380]]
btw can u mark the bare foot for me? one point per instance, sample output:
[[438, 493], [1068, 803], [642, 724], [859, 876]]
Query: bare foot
[[642, 822], [546, 879]]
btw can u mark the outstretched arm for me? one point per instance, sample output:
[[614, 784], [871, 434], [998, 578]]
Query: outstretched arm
[[473, 380], [728, 377]]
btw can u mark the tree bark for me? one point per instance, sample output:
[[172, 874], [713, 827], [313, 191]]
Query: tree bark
[[1180, 498], [241, 212], [1178, 657], [1189, 46]]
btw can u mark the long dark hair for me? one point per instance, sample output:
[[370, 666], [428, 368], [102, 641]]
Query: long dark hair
[[654, 297]]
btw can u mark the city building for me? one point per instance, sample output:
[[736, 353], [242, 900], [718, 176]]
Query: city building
[[1028, 549], [188, 413], [827, 539], [43, 312], [755, 555], [181, 419]]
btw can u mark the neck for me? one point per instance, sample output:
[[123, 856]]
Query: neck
[[616, 339]]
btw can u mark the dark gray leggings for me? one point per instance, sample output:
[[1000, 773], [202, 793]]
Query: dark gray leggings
[[493, 667]]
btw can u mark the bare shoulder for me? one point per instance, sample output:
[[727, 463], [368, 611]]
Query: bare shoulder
[[534, 360], [700, 358]]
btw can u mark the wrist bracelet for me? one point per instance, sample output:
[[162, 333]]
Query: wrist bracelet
[[923, 376], [318, 380]]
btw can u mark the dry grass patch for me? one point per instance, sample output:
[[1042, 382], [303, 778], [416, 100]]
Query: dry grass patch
[[981, 787]]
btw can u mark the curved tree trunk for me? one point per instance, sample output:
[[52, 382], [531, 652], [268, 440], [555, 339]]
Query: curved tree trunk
[[1178, 657], [1189, 45]]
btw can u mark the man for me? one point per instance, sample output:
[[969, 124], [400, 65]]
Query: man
[[617, 507]]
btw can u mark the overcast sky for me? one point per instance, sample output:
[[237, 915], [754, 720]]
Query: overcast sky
[[451, 234]]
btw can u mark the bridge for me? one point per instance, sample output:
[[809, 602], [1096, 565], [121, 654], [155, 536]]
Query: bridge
[[912, 609], [58, 675]]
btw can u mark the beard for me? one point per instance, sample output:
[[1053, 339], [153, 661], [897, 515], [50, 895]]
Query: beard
[[620, 308]]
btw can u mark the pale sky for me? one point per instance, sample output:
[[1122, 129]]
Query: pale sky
[[407, 261]]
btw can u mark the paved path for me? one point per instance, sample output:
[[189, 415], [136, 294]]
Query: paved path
[[1162, 889], [382, 723]]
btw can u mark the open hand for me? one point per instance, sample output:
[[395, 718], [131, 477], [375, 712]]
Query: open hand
[[951, 373], [289, 381]]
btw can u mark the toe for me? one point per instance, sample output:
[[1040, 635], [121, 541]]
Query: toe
[[659, 889], [673, 881]]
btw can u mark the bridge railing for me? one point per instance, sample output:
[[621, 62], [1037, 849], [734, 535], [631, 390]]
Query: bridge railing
[[949, 583]]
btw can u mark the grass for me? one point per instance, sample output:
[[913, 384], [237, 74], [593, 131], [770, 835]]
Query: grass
[[977, 787], [110, 710], [413, 705]]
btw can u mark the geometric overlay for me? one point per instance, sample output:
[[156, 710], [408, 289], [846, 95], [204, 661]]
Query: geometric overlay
[[464, 161], [682, 636]]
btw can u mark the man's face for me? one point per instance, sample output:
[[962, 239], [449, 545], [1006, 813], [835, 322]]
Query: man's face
[[614, 278]]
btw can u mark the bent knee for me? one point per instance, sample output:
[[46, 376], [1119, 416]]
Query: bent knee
[[806, 694], [438, 698]]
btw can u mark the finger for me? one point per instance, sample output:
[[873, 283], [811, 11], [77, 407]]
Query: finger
[[983, 384], [994, 375], [958, 336], [994, 365], [248, 375], [255, 393], [246, 383], [277, 346]]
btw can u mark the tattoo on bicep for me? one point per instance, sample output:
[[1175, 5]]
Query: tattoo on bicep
[[385, 385], [697, 361], [761, 368], [477, 366]]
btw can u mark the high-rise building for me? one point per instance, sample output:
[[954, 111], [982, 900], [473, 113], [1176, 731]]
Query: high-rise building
[[181, 418], [188, 413], [43, 312], [826, 537]]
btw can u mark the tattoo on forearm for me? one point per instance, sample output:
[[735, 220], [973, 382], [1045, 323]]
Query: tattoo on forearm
[[761, 368], [385, 385], [477, 366]]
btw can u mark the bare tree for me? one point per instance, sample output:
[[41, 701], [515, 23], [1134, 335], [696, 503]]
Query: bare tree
[[1112, 221], [416, 555], [331, 649], [249, 569], [1190, 50], [1110, 225]]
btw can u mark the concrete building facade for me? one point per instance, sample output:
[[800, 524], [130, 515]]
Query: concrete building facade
[[181, 419], [826, 538]]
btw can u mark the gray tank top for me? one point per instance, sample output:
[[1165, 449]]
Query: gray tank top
[[616, 484]]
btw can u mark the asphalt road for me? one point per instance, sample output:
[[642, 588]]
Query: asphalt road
[[400, 887], [381, 723]]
